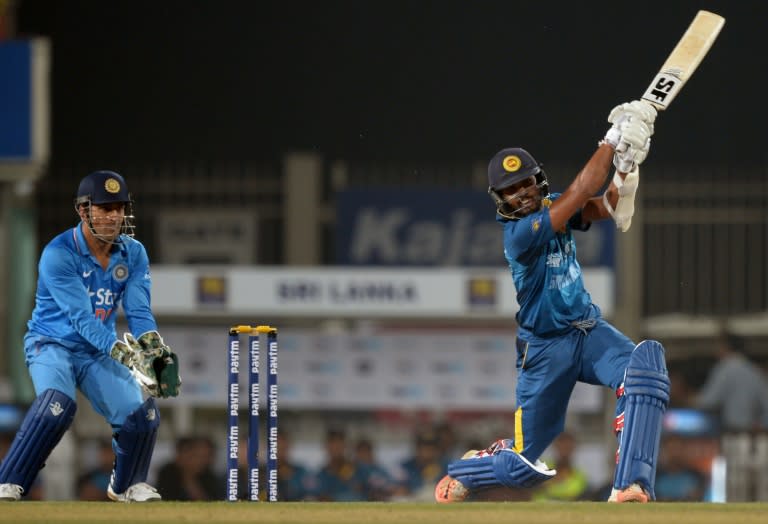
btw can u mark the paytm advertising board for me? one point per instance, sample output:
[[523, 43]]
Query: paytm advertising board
[[441, 227]]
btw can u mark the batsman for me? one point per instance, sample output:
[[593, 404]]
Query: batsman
[[85, 274], [562, 338]]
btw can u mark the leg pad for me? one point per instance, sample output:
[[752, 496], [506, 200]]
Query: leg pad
[[133, 445], [646, 387], [505, 468], [46, 421]]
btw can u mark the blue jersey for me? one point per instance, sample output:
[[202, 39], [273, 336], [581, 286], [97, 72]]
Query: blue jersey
[[77, 301], [547, 276]]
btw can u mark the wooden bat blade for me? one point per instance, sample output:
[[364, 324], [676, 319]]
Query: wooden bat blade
[[684, 59]]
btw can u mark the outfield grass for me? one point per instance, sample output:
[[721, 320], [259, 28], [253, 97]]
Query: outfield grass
[[383, 513]]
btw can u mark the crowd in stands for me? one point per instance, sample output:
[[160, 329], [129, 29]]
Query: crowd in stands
[[350, 470]]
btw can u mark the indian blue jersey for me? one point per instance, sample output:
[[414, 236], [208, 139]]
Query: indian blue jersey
[[547, 276], [77, 301]]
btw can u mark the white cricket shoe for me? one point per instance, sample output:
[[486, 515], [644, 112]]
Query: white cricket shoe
[[10, 492], [139, 492]]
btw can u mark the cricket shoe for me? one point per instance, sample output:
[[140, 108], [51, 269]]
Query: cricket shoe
[[10, 492], [450, 490], [139, 492], [634, 493]]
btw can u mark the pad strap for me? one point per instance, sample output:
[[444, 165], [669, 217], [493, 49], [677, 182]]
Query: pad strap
[[133, 445], [47, 419]]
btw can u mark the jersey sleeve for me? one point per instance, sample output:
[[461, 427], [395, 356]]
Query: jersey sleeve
[[137, 296], [60, 273]]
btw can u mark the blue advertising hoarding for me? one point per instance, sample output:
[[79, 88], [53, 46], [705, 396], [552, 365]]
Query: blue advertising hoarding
[[444, 227], [16, 100]]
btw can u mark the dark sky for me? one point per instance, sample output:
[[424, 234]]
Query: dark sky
[[390, 79]]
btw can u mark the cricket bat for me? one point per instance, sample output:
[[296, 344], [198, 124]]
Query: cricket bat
[[684, 59]]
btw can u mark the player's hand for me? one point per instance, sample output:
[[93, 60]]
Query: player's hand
[[633, 146], [628, 112], [141, 365], [637, 109], [122, 352], [163, 363], [167, 371]]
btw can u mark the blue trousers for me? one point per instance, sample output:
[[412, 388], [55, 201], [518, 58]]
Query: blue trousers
[[107, 384], [548, 369]]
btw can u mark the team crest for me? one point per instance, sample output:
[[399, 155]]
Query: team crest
[[536, 225], [120, 273], [511, 163], [112, 185]]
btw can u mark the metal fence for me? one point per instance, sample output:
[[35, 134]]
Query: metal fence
[[706, 241]]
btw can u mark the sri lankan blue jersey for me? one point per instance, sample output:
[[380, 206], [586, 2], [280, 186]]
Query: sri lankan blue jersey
[[547, 276], [77, 301]]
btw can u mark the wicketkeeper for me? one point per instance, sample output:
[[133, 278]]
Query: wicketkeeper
[[85, 274]]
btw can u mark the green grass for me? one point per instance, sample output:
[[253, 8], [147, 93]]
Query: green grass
[[383, 513]]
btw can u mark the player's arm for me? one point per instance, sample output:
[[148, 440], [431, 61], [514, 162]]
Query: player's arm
[[136, 300], [617, 202], [153, 364], [588, 182], [626, 145]]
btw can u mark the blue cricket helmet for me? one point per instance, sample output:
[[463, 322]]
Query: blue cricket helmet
[[103, 187], [510, 166]]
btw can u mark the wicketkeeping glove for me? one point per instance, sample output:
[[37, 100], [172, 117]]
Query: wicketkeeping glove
[[122, 352], [154, 366]]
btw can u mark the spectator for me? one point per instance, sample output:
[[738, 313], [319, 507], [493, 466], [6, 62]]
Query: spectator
[[340, 479], [448, 441], [676, 478], [92, 485], [379, 483], [190, 476], [294, 481], [425, 467], [736, 390], [570, 483]]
